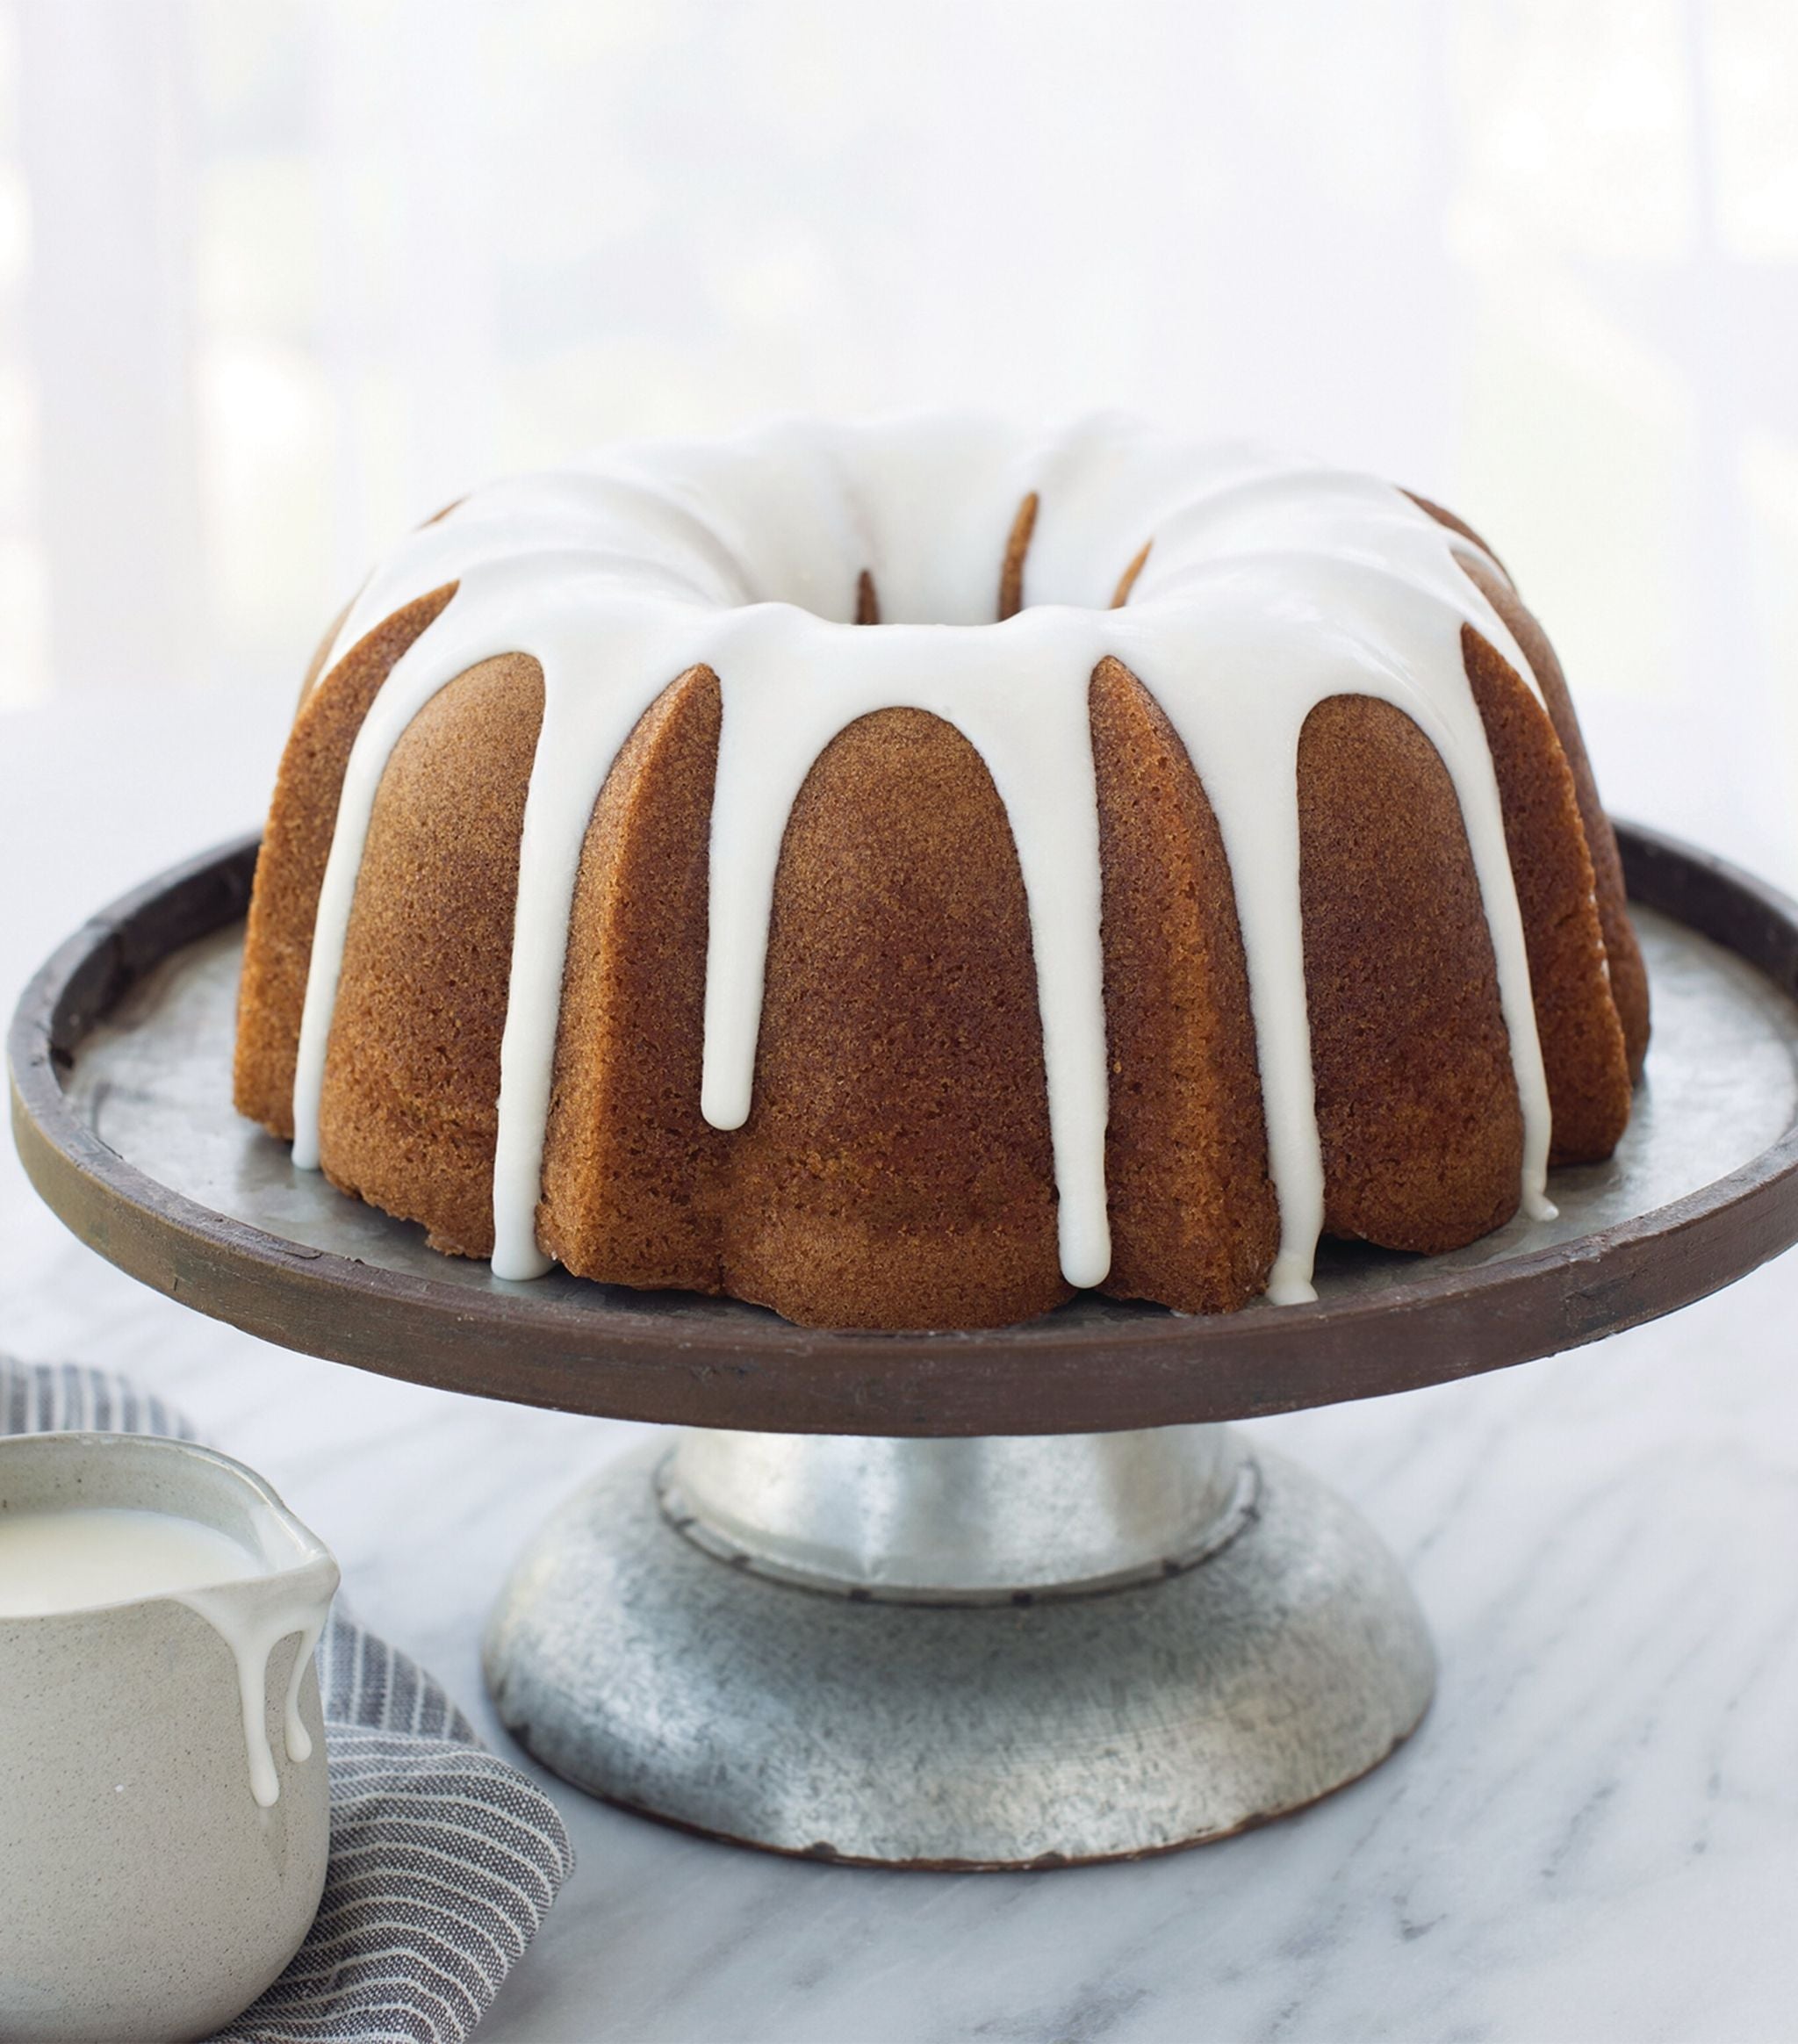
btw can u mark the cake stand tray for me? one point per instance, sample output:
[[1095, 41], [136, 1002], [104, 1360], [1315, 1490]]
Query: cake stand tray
[[1002, 1598]]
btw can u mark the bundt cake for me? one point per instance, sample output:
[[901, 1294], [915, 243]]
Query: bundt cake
[[901, 875]]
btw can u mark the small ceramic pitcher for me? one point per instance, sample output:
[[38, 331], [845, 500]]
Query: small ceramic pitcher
[[164, 1814]]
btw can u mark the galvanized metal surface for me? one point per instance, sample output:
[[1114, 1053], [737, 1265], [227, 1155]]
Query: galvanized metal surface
[[1028, 1734], [989, 1519]]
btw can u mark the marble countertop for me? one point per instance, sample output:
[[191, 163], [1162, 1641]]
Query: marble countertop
[[1594, 1836]]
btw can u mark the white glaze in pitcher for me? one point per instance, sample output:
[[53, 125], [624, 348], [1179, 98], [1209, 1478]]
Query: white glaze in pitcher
[[164, 1810]]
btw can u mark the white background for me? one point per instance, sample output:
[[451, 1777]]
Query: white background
[[280, 278]]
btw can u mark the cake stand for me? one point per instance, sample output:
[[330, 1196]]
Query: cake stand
[[1011, 1598]]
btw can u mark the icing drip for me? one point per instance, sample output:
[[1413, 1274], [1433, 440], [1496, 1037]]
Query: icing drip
[[253, 1629], [1252, 588], [85, 1559]]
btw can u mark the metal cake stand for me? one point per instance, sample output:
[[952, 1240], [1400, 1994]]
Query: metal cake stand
[[1010, 1598]]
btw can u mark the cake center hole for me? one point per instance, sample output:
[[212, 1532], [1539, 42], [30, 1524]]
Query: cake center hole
[[1010, 593]]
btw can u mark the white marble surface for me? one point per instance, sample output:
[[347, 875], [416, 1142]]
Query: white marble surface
[[1594, 1835]]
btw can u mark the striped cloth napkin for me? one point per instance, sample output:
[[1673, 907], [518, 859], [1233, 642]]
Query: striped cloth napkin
[[443, 1860]]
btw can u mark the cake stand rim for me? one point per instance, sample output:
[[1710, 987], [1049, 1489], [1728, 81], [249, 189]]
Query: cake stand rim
[[758, 1372]]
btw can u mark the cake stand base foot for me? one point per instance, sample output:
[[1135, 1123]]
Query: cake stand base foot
[[1040, 1731]]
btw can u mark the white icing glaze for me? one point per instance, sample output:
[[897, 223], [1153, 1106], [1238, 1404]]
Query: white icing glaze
[[253, 1627], [1270, 586], [76, 1558], [83, 1558]]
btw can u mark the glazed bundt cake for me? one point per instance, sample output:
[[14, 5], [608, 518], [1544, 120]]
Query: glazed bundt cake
[[901, 874]]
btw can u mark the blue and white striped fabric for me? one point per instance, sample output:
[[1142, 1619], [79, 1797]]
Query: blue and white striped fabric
[[443, 1860]]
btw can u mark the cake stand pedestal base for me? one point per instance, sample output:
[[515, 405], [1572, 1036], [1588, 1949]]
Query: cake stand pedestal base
[[998, 1653]]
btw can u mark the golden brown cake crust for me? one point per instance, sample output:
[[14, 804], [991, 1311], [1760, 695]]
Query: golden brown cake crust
[[1628, 976], [1416, 1105], [896, 1170], [1017, 547], [631, 1167], [409, 1113], [315, 666], [1194, 1221], [290, 868], [1583, 1053]]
